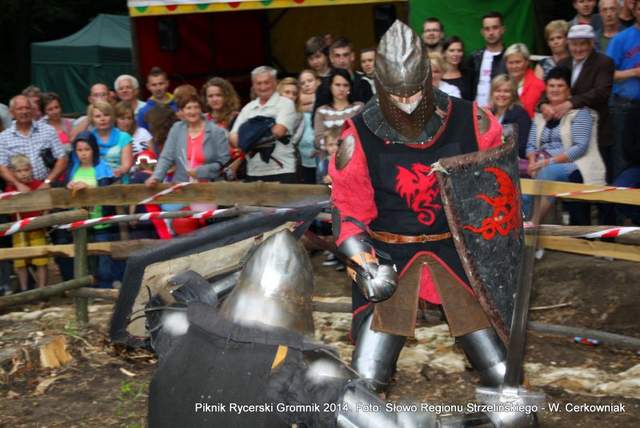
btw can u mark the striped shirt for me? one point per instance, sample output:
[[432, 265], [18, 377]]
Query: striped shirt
[[551, 142], [41, 136]]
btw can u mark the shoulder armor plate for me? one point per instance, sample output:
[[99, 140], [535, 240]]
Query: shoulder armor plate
[[345, 152], [483, 121]]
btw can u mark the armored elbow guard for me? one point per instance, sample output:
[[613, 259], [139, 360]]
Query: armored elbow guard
[[375, 275]]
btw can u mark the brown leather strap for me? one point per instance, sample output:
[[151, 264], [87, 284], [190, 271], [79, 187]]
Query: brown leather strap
[[392, 238]]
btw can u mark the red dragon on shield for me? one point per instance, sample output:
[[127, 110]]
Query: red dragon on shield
[[419, 189], [506, 215]]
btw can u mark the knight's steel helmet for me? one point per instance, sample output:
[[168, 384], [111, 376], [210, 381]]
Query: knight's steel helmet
[[402, 68], [275, 287]]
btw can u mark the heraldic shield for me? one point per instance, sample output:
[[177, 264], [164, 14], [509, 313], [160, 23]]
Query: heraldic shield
[[482, 200]]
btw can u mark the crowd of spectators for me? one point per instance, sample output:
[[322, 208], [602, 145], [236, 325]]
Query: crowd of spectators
[[575, 111]]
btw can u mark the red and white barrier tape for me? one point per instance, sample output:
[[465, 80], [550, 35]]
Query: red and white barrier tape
[[610, 233], [201, 215], [8, 195], [163, 193], [16, 227]]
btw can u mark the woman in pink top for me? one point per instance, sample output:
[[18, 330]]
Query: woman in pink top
[[52, 107]]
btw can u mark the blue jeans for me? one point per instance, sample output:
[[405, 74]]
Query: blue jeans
[[554, 172], [108, 269], [630, 177]]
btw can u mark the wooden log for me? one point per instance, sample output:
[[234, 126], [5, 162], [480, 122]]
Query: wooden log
[[43, 293], [53, 352], [221, 192], [80, 269], [589, 247], [125, 218], [631, 238], [117, 249], [95, 293], [49, 220], [603, 336], [550, 188]]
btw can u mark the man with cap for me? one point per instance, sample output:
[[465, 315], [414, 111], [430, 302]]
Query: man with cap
[[591, 81], [388, 206]]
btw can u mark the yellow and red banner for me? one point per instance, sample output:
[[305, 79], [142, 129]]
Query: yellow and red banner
[[174, 7]]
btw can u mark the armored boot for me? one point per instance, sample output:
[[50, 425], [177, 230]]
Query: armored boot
[[486, 354], [375, 355]]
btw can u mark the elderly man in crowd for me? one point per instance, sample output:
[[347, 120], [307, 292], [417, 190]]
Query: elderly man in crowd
[[36, 140], [591, 81], [126, 87], [280, 164], [611, 25]]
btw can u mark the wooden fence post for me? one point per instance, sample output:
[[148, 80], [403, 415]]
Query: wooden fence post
[[80, 269]]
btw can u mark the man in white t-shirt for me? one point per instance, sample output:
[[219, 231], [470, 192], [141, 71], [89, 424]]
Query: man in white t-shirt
[[487, 63], [282, 162]]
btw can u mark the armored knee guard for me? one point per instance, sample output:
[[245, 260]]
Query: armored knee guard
[[376, 354], [487, 355]]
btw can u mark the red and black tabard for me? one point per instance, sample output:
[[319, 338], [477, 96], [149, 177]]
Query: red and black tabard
[[406, 195]]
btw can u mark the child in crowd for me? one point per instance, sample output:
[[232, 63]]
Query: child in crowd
[[368, 65], [88, 170], [368, 61], [331, 144], [20, 165], [323, 228], [143, 168], [317, 55]]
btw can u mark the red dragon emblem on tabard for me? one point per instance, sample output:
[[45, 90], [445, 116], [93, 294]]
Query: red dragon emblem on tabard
[[506, 215], [419, 189]]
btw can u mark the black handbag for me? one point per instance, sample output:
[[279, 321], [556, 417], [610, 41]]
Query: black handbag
[[47, 158]]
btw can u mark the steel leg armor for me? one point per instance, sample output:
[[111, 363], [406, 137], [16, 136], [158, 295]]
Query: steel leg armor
[[487, 355], [376, 354]]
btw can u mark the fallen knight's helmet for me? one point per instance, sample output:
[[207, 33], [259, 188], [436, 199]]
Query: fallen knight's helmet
[[402, 68], [275, 287]]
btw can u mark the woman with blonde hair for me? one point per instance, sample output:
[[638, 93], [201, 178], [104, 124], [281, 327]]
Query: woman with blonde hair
[[438, 67], [221, 101], [506, 107], [308, 82], [115, 145], [290, 88], [555, 34], [529, 87]]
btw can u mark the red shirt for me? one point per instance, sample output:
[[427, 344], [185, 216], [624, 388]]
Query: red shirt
[[195, 150], [33, 185]]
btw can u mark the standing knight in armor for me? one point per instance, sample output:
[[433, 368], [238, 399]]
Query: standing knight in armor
[[390, 218]]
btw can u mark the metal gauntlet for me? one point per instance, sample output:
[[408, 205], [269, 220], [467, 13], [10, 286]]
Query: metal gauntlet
[[375, 276]]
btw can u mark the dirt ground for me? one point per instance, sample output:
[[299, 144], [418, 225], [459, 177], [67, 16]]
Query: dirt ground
[[104, 386]]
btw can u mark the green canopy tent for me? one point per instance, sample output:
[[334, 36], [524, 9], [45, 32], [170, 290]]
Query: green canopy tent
[[98, 53]]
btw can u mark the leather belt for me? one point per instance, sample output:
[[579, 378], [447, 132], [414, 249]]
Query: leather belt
[[392, 238]]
